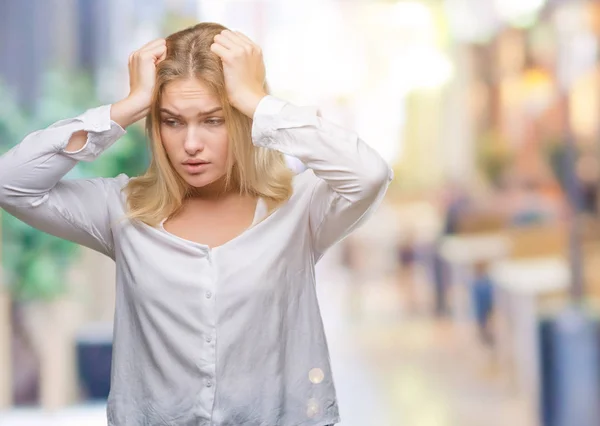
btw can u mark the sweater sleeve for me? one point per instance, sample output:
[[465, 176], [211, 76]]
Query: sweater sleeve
[[351, 178]]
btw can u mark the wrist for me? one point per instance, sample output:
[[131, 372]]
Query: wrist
[[248, 104], [129, 110]]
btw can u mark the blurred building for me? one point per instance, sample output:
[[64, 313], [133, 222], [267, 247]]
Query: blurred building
[[94, 36]]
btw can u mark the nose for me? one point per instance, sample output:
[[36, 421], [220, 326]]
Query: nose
[[193, 141]]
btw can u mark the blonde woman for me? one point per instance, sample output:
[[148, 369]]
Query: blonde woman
[[217, 320]]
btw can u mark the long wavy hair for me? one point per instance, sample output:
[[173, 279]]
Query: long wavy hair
[[160, 192]]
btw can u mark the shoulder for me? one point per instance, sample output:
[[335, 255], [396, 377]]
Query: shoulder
[[114, 188], [304, 183], [117, 183], [306, 188]]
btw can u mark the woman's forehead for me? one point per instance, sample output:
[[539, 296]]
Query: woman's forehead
[[188, 96]]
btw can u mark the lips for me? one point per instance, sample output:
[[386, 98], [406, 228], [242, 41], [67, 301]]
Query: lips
[[195, 167], [195, 162]]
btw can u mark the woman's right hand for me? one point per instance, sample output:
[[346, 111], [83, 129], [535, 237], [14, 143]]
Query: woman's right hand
[[142, 69], [142, 78]]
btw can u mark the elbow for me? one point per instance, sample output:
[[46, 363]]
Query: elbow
[[377, 179], [8, 192], [4, 191], [13, 195], [8, 176], [7, 197]]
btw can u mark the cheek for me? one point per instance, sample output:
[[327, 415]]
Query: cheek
[[224, 147], [172, 144], [169, 143], [220, 146]]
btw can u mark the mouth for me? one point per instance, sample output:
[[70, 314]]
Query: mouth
[[195, 166], [194, 162]]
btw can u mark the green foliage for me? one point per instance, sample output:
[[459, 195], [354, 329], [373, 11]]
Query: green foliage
[[35, 263]]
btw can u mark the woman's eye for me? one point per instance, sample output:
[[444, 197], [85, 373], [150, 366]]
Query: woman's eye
[[171, 123], [215, 121]]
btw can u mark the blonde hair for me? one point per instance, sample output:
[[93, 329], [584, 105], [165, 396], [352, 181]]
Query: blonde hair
[[160, 191]]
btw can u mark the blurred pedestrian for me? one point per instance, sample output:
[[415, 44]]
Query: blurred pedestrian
[[482, 295]]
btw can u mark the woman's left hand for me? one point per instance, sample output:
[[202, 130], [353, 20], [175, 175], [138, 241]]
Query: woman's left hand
[[243, 68]]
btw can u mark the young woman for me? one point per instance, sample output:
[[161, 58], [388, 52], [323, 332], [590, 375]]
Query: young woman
[[217, 320]]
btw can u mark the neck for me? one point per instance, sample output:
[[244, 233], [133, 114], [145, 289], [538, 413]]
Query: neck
[[213, 191]]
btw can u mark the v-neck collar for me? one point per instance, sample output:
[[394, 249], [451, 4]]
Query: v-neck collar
[[259, 213]]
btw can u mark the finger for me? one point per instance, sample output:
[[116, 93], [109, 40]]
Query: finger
[[153, 43], [237, 41], [219, 50], [234, 36], [162, 56], [225, 41], [248, 47], [245, 38], [154, 53]]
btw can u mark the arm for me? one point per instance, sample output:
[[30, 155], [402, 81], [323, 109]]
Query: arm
[[352, 178], [32, 188]]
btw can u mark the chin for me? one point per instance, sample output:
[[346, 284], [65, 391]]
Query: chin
[[198, 181], [201, 180]]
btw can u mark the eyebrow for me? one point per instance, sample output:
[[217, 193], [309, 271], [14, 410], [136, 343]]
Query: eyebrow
[[200, 113]]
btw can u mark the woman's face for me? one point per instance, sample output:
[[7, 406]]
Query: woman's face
[[193, 132]]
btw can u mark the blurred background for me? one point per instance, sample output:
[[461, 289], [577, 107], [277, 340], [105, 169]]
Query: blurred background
[[468, 299]]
